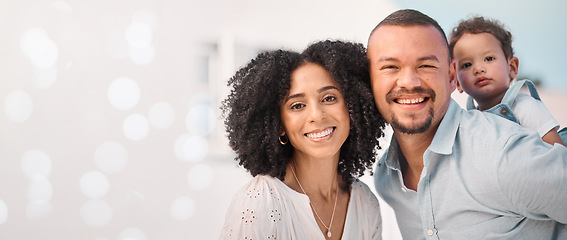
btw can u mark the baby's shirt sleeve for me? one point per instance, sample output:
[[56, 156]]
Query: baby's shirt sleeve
[[532, 113]]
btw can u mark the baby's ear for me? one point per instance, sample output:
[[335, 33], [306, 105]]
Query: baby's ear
[[459, 88], [453, 75], [514, 64]]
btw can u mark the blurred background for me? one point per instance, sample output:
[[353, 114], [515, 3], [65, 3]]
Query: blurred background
[[109, 118]]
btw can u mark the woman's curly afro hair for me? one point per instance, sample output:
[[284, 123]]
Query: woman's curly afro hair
[[252, 109]]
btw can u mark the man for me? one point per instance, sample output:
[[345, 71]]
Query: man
[[449, 173]]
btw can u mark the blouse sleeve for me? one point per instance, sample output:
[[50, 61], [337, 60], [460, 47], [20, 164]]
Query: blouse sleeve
[[254, 213]]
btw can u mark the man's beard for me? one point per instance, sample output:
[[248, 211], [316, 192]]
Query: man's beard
[[396, 125]]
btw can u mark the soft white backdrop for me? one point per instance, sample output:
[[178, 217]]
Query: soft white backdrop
[[109, 114]]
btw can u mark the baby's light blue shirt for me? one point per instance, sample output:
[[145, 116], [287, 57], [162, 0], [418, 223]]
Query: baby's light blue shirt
[[484, 177]]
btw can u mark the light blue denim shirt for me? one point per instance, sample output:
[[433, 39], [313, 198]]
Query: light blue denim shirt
[[484, 177]]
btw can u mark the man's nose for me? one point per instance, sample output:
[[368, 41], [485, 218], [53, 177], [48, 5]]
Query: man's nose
[[409, 79]]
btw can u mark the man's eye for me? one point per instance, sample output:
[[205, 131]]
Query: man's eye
[[489, 59], [389, 67], [427, 66], [466, 65]]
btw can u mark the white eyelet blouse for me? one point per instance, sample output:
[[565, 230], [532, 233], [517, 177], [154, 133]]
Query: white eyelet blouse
[[266, 208]]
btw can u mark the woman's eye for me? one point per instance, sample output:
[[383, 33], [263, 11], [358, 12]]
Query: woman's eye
[[297, 106], [488, 59], [329, 98], [466, 65]]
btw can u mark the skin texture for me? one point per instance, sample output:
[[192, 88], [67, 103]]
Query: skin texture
[[483, 71], [313, 108], [412, 82]]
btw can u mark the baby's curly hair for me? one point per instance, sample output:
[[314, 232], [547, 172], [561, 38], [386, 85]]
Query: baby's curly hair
[[478, 25], [252, 109]]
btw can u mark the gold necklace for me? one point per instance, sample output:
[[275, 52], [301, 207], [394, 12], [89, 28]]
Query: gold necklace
[[313, 207]]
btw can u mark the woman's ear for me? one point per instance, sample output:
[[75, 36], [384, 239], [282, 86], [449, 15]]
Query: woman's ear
[[514, 64]]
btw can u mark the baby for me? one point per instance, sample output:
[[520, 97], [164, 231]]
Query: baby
[[485, 65]]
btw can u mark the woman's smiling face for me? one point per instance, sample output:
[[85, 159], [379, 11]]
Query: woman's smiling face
[[314, 114]]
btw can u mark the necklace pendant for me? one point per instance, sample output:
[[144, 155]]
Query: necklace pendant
[[329, 233]]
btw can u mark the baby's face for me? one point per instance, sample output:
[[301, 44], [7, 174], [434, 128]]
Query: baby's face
[[482, 69]]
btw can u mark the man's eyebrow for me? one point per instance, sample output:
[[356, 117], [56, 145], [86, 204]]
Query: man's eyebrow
[[388, 59], [430, 57]]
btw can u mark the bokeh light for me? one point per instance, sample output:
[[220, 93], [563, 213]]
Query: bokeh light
[[192, 148], [161, 115], [96, 213], [94, 184], [18, 106], [41, 51], [62, 6], [136, 127], [111, 157], [182, 208], [123, 93], [139, 34], [44, 78], [36, 162], [142, 55], [39, 189], [200, 177], [201, 119]]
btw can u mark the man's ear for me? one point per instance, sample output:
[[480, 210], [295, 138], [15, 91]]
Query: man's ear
[[514, 64], [453, 77]]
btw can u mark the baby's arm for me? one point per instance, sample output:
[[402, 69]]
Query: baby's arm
[[552, 137]]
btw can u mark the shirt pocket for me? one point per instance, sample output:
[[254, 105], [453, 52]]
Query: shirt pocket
[[496, 228]]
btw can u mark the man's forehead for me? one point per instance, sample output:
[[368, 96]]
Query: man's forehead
[[391, 40], [390, 31]]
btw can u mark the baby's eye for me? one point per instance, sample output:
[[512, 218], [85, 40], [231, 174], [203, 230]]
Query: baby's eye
[[297, 106], [329, 98], [489, 59], [466, 65]]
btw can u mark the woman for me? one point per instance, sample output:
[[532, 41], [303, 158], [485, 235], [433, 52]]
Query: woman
[[306, 127]]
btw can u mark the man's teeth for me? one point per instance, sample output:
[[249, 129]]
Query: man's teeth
[[320, 134], [410, 100]]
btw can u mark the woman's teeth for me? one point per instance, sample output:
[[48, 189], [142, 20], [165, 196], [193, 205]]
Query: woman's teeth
[[321, 134]]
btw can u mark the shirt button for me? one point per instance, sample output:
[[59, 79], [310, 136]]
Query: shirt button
[[430, 232], [504, 111], [403, 189]]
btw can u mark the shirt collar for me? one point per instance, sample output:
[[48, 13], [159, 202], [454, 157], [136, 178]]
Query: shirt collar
[[392, 154], [445, 135]]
